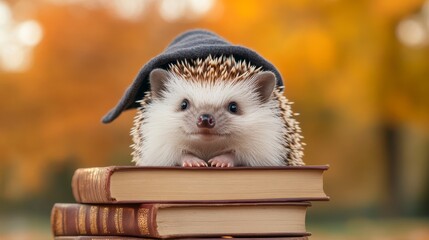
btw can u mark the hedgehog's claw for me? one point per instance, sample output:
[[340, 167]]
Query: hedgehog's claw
[[224, 160], [192, 161]]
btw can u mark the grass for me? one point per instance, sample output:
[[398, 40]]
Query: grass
[[23, 227], [371, 229]]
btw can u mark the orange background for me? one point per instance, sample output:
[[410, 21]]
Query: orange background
[[356, 70]]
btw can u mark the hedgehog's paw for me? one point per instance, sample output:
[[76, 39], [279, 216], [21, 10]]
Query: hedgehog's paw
[[224, 160], [192, 161]]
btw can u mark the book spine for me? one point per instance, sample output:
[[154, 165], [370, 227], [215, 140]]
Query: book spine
[[104, 220], [104, 238], [92, 185], [214, 238]]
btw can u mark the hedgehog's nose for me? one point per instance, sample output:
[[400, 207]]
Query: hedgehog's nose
[[206, 121]]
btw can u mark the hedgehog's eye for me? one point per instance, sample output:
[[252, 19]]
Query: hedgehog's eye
[[185, 104], [232, 107]]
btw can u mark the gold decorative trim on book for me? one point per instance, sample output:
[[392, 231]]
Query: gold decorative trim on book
[[81, 220], [58, 216], [105, 215], [93, 212], [142, 217], [118, 220], [95, 191]]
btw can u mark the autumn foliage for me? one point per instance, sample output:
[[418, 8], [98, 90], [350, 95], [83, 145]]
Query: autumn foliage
[[344, 67]]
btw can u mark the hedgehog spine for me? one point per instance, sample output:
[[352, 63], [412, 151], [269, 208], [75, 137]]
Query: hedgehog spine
[[209, 71]]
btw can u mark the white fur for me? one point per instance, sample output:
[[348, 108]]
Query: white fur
[[255, 136]]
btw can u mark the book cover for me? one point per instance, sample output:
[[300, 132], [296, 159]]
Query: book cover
[[180, 220], [183, 185], [133, 238]]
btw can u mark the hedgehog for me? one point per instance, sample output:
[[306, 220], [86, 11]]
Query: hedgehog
[[215, 111], [204, 101]]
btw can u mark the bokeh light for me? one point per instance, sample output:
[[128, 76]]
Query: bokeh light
[[412, 32], [5, 14], [130, 10], [29, 33], [17, 40]]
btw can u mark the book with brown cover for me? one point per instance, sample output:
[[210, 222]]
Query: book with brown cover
[[187, 185], [133, 238], [180, 220]]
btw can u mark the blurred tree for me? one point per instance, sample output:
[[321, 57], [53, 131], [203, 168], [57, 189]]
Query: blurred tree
[[354, 83]]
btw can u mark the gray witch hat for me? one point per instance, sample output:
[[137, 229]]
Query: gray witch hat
[[189, 45]]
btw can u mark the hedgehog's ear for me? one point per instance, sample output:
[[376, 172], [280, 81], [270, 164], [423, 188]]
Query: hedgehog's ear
[[265, 83], [158, 79]]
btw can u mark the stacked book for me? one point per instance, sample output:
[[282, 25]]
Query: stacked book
[[175, 202]]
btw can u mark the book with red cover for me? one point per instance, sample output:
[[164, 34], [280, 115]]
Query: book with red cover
[[133, 238], [180, 220], [192, 185]]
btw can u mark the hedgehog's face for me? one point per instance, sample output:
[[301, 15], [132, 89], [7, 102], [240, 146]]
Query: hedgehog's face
[[212, 111], [205, 113]]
